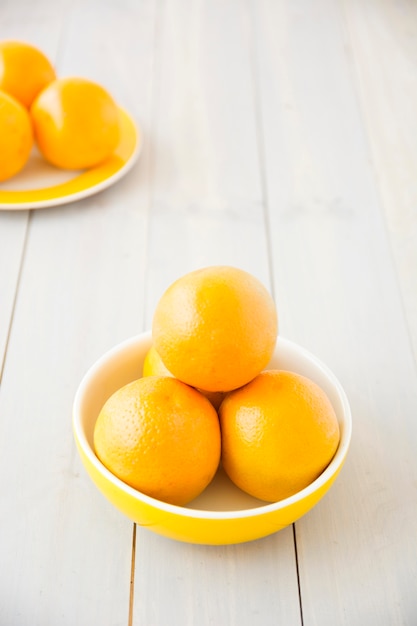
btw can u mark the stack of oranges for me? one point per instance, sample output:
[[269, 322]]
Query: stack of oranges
[[73, 121], [206, 397]]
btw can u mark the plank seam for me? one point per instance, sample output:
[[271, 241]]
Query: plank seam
[[154, 101], [132, 577], [383, 204], [260, 143], [13, 307], [297, 569]]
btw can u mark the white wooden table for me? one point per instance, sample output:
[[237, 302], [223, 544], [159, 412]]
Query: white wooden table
[[280, 137]]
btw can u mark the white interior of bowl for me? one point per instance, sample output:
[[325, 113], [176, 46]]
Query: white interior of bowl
[[222, 498]]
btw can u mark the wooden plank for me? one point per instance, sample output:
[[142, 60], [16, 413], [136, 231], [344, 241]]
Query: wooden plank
[[337, 293], [58, 535], [66, 553], [40, 26], [12, 241], [312, 120], [207, 208], [382, 38], [206, 199], [245, 584]]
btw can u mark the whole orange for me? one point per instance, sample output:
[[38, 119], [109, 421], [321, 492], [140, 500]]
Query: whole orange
[[215, 328], [76, 123], [279, 432], [161, 437], [24, 71], [154, 366], [16, 136]]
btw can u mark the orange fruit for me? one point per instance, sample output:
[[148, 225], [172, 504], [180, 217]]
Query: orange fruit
[[24, 71], [76, 123], [279, 432], [161, 437], [215, 328], [154, 366], [16, 136]]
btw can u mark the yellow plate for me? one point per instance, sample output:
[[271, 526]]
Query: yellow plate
[[40, 185]]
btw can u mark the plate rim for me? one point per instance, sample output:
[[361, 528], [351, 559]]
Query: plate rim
[[90, 189]]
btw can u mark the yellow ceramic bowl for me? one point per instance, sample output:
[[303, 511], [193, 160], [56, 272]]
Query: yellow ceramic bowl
[[222, 514]]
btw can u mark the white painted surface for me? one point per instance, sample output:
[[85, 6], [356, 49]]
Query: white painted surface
[[279, 137]]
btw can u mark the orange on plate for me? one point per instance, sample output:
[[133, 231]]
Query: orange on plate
[[76, 123], [154, 366], [215, 328], [279, 433], [161, 437], [24, 71], [16, 136]]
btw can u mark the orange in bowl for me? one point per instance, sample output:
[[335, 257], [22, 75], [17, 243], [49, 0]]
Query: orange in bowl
[[154, 366], [161, 437], [279, 433], [222, 513], [76, 123]]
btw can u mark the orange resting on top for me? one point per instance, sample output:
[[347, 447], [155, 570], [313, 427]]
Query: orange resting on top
[[154, 366], [215, 328], [24, 71]]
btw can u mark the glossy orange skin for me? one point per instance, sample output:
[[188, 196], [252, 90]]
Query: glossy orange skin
[[16, 136], [24, 71], [215, 328], [154, 366], [161, 437], [76, 123], [279, 433]]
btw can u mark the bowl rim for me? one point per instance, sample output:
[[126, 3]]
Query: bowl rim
[[207, 514]]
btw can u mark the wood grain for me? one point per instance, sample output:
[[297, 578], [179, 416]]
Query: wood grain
[[207, 209], [382, 38], [12, 244], [280, 137], [66, 554], [42, 27], [330, 250]]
